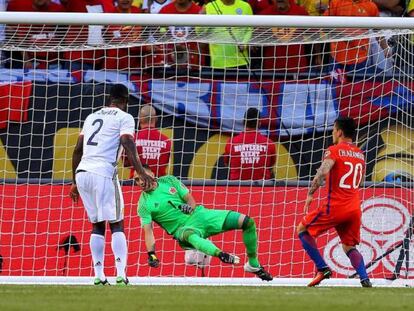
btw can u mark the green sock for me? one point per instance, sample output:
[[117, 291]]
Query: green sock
[[249, 235], [203, 245], [250, 241]]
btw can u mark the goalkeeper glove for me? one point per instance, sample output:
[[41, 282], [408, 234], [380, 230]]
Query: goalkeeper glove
[[186, 209], [153, 260]]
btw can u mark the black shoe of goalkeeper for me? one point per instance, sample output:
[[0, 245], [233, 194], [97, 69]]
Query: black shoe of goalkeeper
[[259, 271], [366, 283], [263, 274], [229, 258]]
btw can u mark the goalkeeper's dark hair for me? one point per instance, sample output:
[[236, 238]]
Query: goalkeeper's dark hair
[[251, 118], [347, 125], [119, 94]]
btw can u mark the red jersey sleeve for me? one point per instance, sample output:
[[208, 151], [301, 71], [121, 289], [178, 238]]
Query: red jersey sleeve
[[331, 153]]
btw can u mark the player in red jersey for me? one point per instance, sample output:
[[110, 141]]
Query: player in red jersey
[[153, 147], [343, 167], [250, 155]]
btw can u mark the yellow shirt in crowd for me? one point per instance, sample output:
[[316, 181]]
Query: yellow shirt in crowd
[[314, 7], [137, 3]]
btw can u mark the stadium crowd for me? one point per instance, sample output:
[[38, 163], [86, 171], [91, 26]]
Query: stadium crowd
[[349, 55]]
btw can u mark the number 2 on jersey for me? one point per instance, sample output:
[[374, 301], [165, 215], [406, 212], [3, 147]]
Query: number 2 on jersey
[[90, 140], [356, 172]]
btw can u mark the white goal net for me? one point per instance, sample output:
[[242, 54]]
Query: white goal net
[[201, 74]]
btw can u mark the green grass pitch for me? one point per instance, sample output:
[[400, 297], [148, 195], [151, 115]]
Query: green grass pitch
[[235, 298]]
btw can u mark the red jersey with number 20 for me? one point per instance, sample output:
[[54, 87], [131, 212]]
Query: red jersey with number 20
[[345, 177]]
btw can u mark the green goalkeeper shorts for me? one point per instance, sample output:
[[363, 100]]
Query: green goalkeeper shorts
[[204, 222]]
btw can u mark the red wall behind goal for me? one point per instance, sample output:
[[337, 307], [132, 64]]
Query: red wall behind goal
[[35, 219]]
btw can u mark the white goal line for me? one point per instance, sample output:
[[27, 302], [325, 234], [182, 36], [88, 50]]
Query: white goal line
[[200, 281]]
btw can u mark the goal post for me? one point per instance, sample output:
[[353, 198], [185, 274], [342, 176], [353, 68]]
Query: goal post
[[58, 67]]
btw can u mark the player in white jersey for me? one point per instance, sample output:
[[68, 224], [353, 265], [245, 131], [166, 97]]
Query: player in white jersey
[[95, 178]]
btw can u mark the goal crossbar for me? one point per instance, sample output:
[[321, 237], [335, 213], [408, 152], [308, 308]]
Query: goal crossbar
[[204, 20]]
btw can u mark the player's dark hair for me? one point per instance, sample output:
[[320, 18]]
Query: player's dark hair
[[347, 125], [251, 118], [119, 94]]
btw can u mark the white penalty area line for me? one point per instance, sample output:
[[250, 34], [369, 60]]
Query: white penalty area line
[[199, 281]]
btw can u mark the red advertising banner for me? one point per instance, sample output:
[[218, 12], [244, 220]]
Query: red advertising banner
[[37, 222]]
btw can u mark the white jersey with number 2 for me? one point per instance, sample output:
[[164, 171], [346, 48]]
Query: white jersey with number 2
[[102, 133]]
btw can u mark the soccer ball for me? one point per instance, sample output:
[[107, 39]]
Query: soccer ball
[[196, 258]]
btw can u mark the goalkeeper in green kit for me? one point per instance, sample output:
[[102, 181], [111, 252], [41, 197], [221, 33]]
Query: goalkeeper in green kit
[[170, 204]]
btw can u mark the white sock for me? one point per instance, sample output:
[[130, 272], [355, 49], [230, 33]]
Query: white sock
[[97, 245], [120, 250]]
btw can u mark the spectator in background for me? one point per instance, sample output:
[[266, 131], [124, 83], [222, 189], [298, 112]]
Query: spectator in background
[[153, 147], [410, 8], [77, 61], [314, 7], [154, 54], [124, 58], [125, 6], [260, 5], [137, 3], [250, 155], [34, 6], [181, 7], [88, 6], [391, 7], [37, 35], [227, 55], [285, 58], [154, 6], [186, 53], [353, 55]]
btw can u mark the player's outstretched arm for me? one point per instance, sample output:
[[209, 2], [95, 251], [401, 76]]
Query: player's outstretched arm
[[190, 200], [318, 180], [150, 245], [186, 208], [76, 158], [131, 152]]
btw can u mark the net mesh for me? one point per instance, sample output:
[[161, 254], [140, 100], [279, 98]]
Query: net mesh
[[58, 38], [54, 76]]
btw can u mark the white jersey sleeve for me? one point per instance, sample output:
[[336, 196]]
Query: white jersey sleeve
[[127, 125], [102, 133]]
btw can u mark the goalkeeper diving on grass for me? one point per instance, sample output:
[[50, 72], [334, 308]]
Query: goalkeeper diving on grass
[[170, 204]]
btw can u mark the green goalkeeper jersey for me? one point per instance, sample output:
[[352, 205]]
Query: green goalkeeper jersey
[[161, 204]]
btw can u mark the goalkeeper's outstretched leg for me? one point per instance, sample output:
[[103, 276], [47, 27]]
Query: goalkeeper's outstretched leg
[[233, 221], [207, 247], [236, 221]]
